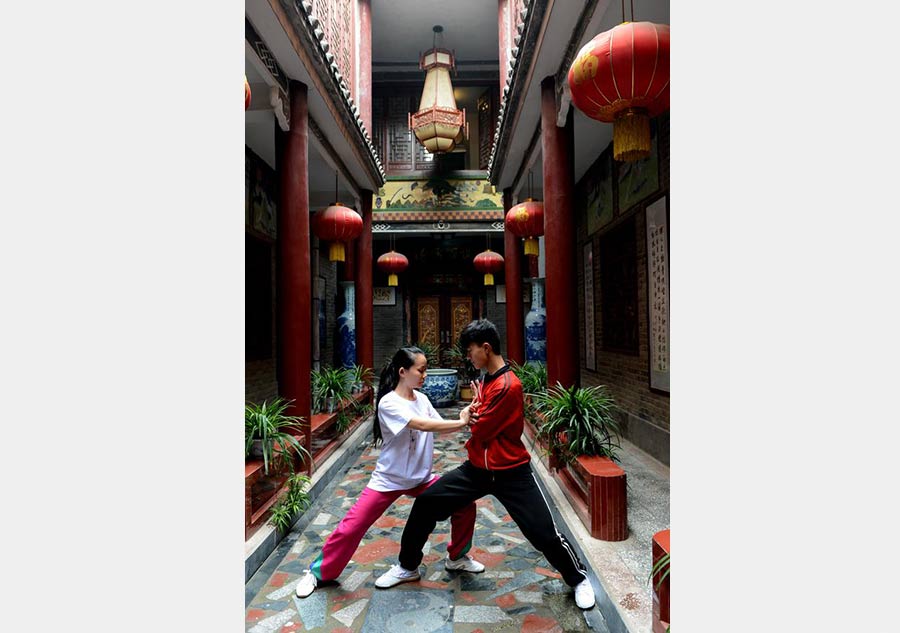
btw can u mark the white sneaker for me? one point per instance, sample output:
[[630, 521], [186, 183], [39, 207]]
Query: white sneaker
[[394, 576], [584, 594], [307, 584], [465, 563]]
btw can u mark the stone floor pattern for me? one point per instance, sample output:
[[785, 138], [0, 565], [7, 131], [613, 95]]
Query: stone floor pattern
[[518, 591]]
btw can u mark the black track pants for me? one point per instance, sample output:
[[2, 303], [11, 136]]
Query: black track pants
[[516, 489]]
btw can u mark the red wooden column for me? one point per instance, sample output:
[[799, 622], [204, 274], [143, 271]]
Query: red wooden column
[[557, 145], [515, 319], [365, 351], [364, 65], [295, 295], [348, 268], [503, 10]]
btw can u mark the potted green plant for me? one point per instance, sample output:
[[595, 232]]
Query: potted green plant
[[578, 427], [578, 421], [467, 371], [295, 500], [269, 433], [361, 377], [330, 386]]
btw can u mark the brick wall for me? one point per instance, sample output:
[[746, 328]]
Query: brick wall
[[259, 380], [389, 331], [644, 413], [496, 313]]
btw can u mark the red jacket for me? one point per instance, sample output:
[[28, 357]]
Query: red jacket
[[496, 442]]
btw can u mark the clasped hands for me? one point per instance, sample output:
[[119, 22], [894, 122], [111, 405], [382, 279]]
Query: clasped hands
[[469, 414]]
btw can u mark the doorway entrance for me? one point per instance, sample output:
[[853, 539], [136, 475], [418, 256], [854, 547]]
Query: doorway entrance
[[440, 319]]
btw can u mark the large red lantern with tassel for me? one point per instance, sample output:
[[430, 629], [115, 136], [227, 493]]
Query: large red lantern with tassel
[[488, 262], [622, 77], [246, 94], [392, 263], [337, 224], [526, 220]]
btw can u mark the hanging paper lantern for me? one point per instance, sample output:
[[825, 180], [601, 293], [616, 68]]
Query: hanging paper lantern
[[622, 76], [488, 262], [337, 224], [246, 94], [526, 220], [392, 263]]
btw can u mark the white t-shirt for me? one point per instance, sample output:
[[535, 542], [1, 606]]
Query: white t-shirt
[[407, 454]]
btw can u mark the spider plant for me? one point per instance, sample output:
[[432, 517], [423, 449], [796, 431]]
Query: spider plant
[[361, 376], [330, 385], [532, 375], [584, 415], [274, 430], [460, 357], [295, 500]]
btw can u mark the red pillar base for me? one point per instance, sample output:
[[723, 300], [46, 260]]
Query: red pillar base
[[661, 613]]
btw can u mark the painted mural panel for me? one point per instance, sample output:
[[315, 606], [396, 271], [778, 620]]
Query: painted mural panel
[[437, 194], [640, 178], [597, 192], [260, 195]]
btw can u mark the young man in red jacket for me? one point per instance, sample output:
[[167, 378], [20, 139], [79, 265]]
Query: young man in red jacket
[[499, 465]]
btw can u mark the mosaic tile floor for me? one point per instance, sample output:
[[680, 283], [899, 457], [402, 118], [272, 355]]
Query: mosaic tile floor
[[518, 591]]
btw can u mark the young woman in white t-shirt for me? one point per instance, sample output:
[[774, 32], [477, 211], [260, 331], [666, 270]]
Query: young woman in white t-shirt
[[404, 422]]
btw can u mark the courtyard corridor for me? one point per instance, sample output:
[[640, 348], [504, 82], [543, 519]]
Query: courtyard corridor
[[518, 591]]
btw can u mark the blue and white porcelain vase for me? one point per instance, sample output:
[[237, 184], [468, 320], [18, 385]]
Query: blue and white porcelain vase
[[346, 324], [441, 386], [536, 324]]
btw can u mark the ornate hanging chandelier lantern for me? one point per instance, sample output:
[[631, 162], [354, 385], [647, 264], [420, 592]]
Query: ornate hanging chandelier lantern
[[488, 262], [622, 77], [438, 125]]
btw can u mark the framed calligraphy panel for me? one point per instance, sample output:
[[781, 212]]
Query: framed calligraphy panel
[[658, 292]]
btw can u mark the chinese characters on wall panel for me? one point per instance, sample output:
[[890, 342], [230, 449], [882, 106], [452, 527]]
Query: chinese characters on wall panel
[[658, 293]]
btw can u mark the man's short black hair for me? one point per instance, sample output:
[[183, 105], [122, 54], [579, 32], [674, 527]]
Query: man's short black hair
[[478, 332]]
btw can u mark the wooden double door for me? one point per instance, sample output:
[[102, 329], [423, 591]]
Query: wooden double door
[[440, 319]]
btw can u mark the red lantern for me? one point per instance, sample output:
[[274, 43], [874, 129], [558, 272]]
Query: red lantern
[[337, 224], [622, 76], [526, 219], [246, 94], [489, 262], [392, 263]]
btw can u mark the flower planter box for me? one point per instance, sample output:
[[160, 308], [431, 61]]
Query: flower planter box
[[603, 489], [262, 491], [661, 596], [597, 490]]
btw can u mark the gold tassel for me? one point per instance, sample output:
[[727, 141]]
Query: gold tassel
[[336, 252], [531, 246], [631, 135], [392, 279], [488, 279]]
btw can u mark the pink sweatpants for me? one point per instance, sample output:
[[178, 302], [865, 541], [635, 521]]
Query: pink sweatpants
[[342, 543]]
